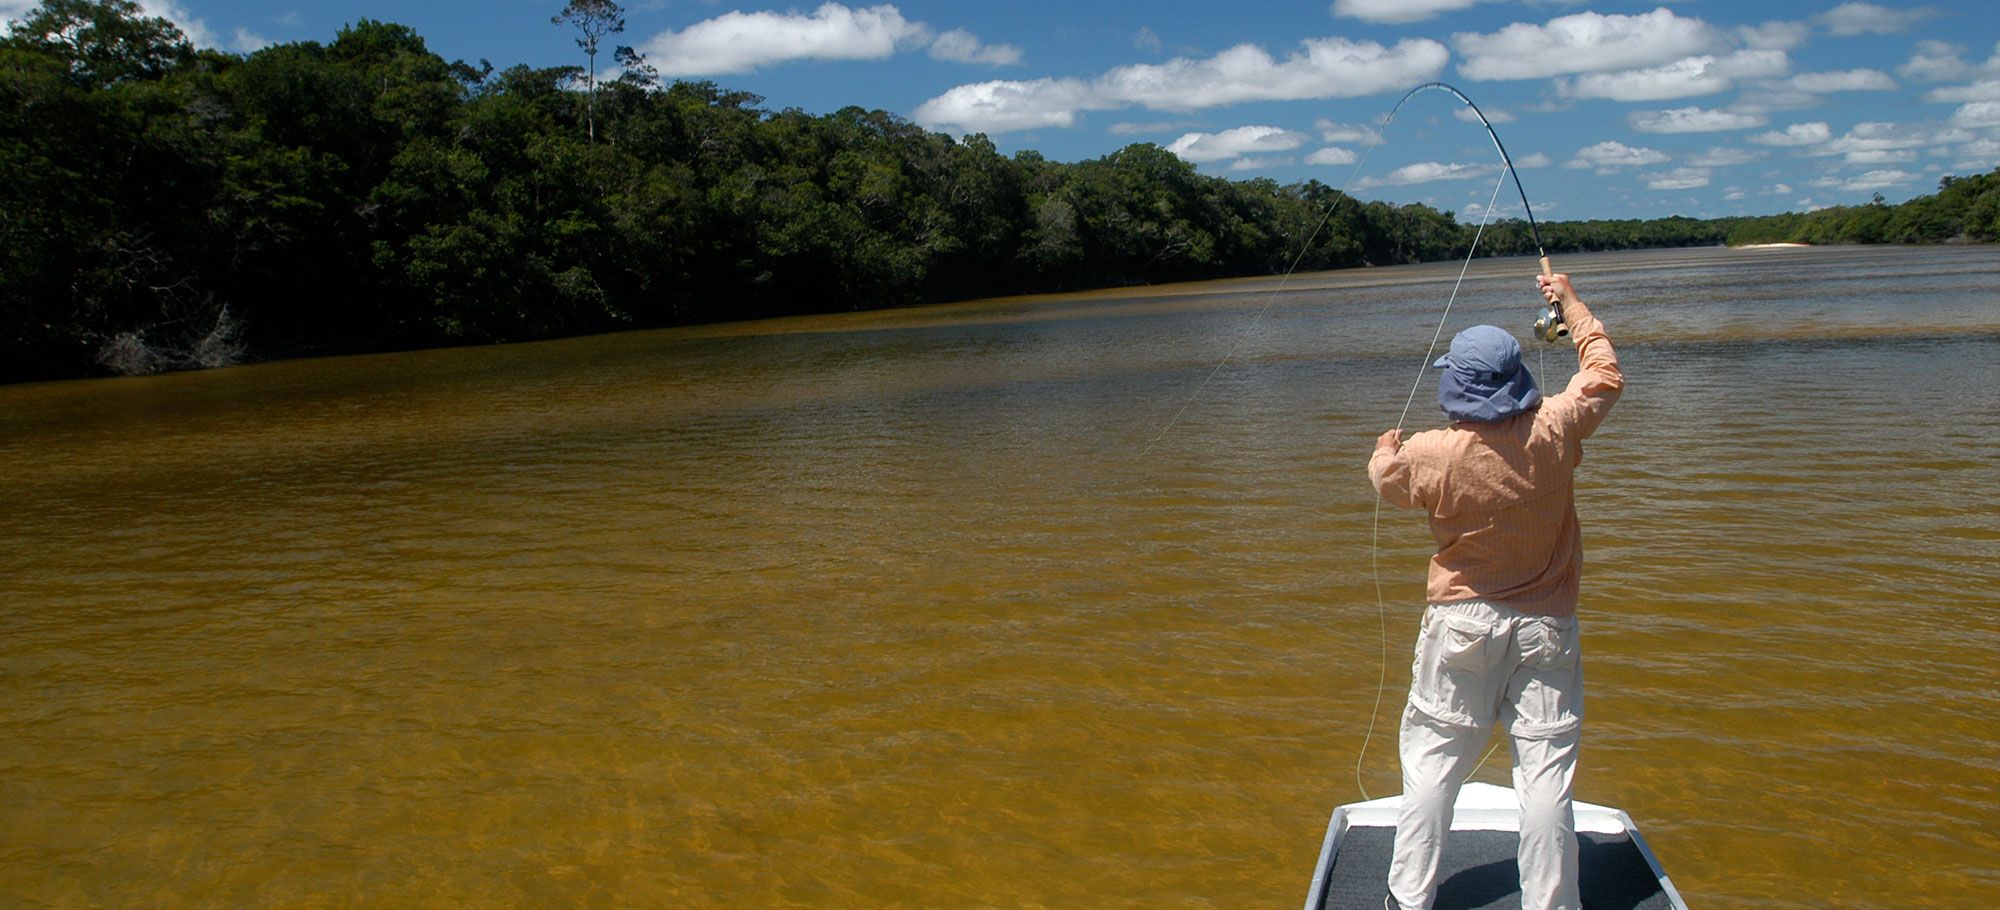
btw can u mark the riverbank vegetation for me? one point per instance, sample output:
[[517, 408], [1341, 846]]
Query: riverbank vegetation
[[165, 207]]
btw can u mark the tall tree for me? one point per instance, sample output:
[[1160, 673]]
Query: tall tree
[[102, 42], [594, 19]]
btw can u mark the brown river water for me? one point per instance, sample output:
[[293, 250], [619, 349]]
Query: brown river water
[[1060, 601]]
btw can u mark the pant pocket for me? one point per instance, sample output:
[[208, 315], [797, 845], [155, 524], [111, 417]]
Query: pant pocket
[[1449, 679], [1549, 642], [1461, 641]]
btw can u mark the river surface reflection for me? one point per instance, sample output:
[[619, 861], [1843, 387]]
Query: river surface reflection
[[1008, 603]]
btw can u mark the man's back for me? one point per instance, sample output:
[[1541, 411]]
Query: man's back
[[1500, 494]]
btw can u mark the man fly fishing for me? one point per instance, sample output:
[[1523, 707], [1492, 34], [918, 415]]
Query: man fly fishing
[[1499, 640]]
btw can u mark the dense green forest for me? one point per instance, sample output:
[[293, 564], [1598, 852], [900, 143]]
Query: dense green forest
[[164, 207]]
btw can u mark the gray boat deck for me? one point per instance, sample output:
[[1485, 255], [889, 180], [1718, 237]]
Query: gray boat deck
[[1478, 871]]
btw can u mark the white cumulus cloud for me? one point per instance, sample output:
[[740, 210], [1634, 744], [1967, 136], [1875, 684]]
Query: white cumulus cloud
[[1773, 97], [1977, 155], [1933, 61], [1981, 147], [1680, 178], [1775, 35], [740, 42], [1977, 114], [1326, 68], [1396, 11], [1872, 180], [1323, 68], [1331, 132], [1856, 80], [1724, 157], [961, 46], [1693, 120], [1332, 154], [1141, 128], [1258, 164], [1876, 137], [1939, 61], [1797, 134], [1501, 207], [1585, 43], [1611, 155], [1202, 148], [247, 41], [1425, 172], [1881, 156], [1002, 106], [1983, 90], [1706, 74], [1869, 19]]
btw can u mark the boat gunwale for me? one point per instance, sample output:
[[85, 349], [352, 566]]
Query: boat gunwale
[[1480, 807]]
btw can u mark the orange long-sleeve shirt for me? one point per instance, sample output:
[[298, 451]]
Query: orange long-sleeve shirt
[[1501, 495]]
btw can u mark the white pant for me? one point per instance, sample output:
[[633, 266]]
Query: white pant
[[1477, 663]]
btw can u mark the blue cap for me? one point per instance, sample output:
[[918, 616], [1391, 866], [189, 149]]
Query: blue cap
[[1484, 379]]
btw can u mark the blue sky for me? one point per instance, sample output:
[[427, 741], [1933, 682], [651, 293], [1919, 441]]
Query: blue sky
[[1610, 109]]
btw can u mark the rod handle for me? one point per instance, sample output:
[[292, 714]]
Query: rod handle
[[1549, 326]]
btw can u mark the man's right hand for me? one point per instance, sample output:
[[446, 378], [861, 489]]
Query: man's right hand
[[1556, 289]]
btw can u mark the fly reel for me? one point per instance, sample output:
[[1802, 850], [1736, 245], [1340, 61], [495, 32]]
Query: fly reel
[[1550, 326]]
